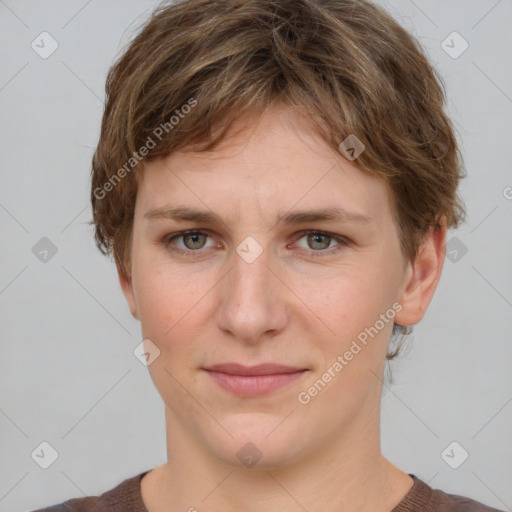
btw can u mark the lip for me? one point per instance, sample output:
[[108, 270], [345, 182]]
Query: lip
[[260, 369], [252, 381]]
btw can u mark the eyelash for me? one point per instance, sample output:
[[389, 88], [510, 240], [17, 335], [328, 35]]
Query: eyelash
[[342, 242]]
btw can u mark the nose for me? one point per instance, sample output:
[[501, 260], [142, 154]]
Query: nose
[[252, 300]]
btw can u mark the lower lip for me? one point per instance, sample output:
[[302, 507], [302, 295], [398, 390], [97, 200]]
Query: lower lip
[[254, 385]]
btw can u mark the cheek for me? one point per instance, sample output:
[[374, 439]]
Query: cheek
[[158, 308], [347, 312], [345, 300], [172, 307]]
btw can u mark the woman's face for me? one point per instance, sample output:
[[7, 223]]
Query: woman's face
[[257, 284]]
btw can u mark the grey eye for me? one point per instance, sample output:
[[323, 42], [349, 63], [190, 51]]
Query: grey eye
[[318, 240], [194, 240]]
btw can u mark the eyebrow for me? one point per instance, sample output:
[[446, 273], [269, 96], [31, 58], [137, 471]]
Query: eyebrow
[[207, 217]]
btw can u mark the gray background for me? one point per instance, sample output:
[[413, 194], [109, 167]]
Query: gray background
[[68, 375]]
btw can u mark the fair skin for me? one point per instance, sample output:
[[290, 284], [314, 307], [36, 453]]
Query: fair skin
[[301, 303]]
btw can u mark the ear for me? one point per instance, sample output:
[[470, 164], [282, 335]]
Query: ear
[[421, 278], [127, 287]]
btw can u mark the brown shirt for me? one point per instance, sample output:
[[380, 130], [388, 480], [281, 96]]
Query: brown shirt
[[126, 497]]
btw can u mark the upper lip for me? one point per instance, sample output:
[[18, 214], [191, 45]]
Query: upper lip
[[260, 369]]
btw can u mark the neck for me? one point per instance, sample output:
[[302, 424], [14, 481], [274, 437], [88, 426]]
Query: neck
[[345, 474]]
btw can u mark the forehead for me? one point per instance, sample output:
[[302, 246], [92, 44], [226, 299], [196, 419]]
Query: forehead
[[266, 163]]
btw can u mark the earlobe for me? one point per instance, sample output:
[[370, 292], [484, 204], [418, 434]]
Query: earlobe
[[422, 277], [127, 287]]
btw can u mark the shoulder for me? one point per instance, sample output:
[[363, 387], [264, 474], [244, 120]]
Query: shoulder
[[125, 497], [456, 503], [422, 497]]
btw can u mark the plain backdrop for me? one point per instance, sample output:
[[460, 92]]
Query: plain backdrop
[[68, 375]]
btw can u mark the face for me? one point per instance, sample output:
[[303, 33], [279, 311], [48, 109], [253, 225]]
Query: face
[[254, 283]]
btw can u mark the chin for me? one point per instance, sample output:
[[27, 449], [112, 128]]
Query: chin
[[258, 443]]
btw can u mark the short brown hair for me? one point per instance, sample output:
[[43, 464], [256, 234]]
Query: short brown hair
[[347, 63]]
